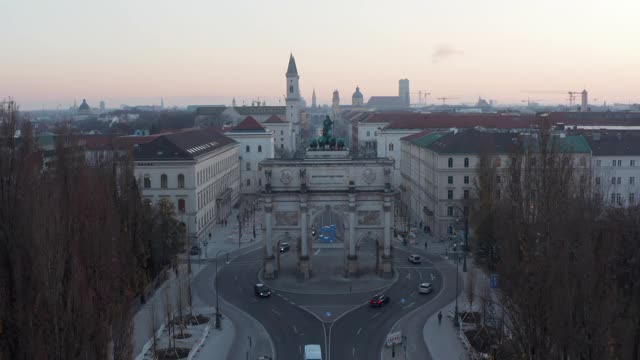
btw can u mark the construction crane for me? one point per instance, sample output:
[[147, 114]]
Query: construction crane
[[572, 94], [445, 98], [422, 94], [530, 101]]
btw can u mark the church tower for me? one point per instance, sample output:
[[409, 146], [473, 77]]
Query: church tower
[[293, 93]]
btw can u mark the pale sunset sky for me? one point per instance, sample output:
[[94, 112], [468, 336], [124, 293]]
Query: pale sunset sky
[[206, 52]]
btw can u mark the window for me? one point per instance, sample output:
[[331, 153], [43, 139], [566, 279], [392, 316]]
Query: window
[[450, 162], [618, 199], [619, 180], [598, 180], [632, 199], [632, 180], [466, 211], [180, 181], [181, 205], [390, 147], [147, 181], [281, 146], [450, 194], [368, 133], [260, 182], [163, 181], [619, 162], [281, 139], [598, 162], [247, 149], [498, 179], [614, 163], [248, 166], [248, 182], [613, 198], [259, 148], [466, 194], [466, 179], [583, 161], [450, 230], [291, 89], [449, 211], [632, 163], [450, 180], [281, 133], [613, 180], [466, 162]]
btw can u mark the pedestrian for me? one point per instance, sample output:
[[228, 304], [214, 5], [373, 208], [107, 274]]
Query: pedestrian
[[225, 222], [425, 245], [440, 317]]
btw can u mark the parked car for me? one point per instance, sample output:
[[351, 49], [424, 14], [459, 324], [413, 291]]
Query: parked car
[[195, 250], [261, 290], [415, 259], [284, 247], [425, 288], [312, 352], [379, 300]]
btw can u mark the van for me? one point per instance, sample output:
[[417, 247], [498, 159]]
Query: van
[[312, 352]]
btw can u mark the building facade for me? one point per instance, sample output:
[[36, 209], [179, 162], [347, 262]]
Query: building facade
[[197, 170], [255, 145], [282, 134]]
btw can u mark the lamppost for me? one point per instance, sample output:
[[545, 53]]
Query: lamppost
[[239, 229], [254, 219], [216, 277], [455, 312]]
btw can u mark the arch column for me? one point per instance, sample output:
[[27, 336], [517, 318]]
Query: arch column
[[387, 258], [304, 264], [352, 257], [270, 266]]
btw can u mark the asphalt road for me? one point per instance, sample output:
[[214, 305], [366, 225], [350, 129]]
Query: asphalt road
[[344, 325]]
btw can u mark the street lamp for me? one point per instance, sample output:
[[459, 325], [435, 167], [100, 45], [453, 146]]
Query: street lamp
[[239, 229], [455, 312], [254, 220], [217, 304]]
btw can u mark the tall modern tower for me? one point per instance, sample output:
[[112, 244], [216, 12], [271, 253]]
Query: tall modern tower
[[293, 93], [585, 101], [403, 91], [313, 99]]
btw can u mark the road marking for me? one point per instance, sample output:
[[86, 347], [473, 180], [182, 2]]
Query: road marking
[[420, 275], [359, 330], [276, 312], [375, 315], [236, 277], [353, 352], [295, 331], [317, 251], [284, 298], [432, 277], [292, 303], [300, 348], [413, 293], [408, 276], [408, 306]]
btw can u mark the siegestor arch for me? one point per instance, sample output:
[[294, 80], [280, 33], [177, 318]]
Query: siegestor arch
[[340, 220]]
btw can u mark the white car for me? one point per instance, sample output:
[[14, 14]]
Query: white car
[[425, 288], [312, 352], [415, 259]]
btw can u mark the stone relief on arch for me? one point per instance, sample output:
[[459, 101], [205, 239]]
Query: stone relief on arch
[[369, 218], [287, 218]]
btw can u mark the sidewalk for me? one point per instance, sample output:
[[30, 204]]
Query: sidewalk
[[442, 339], [218, 343]]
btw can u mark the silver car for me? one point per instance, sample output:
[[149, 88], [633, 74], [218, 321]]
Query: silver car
[[425, 288]]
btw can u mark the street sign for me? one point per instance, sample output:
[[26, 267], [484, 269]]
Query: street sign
[[493, 280], [394, 338]]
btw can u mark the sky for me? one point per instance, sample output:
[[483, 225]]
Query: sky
[[207, 52]]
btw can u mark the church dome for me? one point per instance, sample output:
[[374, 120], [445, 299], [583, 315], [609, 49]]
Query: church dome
[[357, 98], [84, 106]]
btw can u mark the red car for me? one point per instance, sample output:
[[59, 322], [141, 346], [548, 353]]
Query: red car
[[379, 300]]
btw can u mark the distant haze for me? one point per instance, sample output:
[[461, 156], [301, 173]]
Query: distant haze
[[190, 52]]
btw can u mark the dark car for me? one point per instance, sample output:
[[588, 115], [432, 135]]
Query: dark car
[[379, 300], [284, 247], [261, 290], [195, 250]]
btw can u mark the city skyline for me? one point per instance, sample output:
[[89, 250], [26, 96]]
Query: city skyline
[[123, 54]]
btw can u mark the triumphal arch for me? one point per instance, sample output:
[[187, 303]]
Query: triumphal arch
[[355, 195]]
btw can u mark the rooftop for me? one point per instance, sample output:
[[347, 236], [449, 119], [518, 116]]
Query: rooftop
[[275, 119], [249, 124], [186, 145], [385, 101], [609, 143], [472, 141], [261, 110]]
